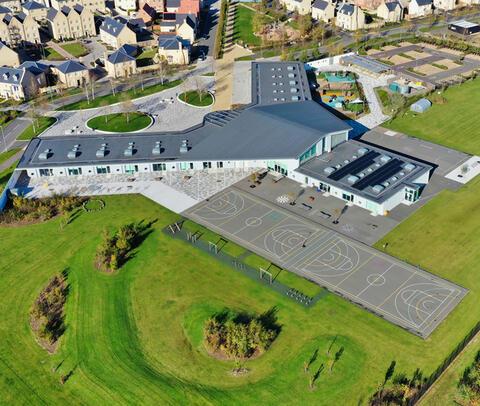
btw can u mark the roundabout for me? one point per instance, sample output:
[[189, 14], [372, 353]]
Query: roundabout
[[196, 98], [120, 122]]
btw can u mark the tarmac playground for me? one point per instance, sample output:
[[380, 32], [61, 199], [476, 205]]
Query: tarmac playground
[[403, 294]]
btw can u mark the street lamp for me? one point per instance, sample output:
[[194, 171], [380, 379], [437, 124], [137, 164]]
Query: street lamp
[[4, 143]]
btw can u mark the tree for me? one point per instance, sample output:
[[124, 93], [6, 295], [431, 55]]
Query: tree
[[259, 22], [127, 105], [305, 25], [106, 109], [318, 34], [32, 114]]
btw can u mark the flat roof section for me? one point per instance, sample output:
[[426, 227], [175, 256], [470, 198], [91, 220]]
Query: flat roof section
[[366, 63], [279, 82], [464, 24], [364, 170]]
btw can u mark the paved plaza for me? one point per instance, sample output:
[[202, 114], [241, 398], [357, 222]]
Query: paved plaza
[[402, 294]]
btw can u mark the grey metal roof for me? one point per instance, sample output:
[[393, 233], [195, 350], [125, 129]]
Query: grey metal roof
[[51, 13], [423, 2], [11, 75], [365, 170], [320, 4], [347, 9], [35, 67], [391, 6], [279, 82], [4, 10], [120, 57], [190, 19], [70, 67], [129, 49], [173, 3], [464, 24], [170, 41], [113, 26], [33, 5], [366, 63]]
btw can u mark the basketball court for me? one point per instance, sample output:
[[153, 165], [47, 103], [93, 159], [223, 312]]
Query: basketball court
[[407, 296]]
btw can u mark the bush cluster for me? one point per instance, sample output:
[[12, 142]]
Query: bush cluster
[[469, 384], [47, 313], [400, 391], [114, 250], [239, 336], [23, 209]]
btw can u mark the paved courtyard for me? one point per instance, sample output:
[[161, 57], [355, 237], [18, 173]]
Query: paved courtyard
[[169, 114], [400, 293]]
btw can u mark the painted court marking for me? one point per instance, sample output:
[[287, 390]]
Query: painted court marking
[[400, 293]]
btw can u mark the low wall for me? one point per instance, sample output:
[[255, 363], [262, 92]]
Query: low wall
[[10, 184], [333, 60]]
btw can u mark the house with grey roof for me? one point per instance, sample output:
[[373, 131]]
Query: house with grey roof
[[172, 6], [174, 49], [302, 7], [122, 62], [391, 12], [116, 32], [186, 26], [72, 74], [14, 5], [18, 84], [35, 9], [71, 22], [323, 10], [4, 10], [420, 8], [18, 30], [283, 131], [92, 5], [445, 5], [350, 17]]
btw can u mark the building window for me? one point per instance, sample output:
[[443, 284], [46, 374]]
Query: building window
[[74, 171], [347, 196], [323, 187], [159, 167], [130, 169], [102, 170], [219, 164], [207, 165], [46, 172], [411, 195]]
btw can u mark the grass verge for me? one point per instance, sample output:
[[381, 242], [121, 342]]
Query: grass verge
[[42, 124]]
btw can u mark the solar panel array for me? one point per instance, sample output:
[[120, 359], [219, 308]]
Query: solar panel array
[[380, 175], [355, 166]]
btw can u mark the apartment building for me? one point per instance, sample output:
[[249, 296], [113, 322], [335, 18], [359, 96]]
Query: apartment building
[[71, 23]]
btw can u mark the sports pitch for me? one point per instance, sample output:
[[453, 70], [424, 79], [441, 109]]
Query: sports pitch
[[407, 296]]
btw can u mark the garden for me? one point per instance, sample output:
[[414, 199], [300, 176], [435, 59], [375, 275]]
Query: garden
[[197, 98], [120, 122]]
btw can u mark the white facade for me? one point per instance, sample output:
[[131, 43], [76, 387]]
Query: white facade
[[445, 4]]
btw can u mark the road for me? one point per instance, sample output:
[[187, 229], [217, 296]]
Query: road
[[11, 132]]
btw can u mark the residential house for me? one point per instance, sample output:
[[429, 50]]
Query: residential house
[[14, 5], [8, 56], [122, 63], [4, 11], [17, 84], [420, 8], [39, 70], [147, 14], [19, 30], [72, 74], [158, 5], [92, 5], [350, 17], [37, 10], [323, 10], [186, 26], [172, 6], [117, 32], [301, 7], [71, 23], [445, 5], [125, 6], [168, 25], [173, 49], [189, 7], [391, 12]]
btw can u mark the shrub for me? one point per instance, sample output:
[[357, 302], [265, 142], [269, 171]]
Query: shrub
[[240, 336]]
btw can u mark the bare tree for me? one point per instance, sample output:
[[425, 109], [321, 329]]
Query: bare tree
[[127, 106]]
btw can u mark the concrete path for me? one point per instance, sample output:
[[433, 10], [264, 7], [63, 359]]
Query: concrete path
[[60, 50]]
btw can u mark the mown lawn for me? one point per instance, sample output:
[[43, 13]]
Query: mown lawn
[[136, 336], [119, 96], [453, 124], [118, 122], [52, 55], [196, 98], [75, 48], [5, 175], [243, 26], [42, 123], [8, 154]]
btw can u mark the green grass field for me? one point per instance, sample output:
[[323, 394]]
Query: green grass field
[[243, 27], [75, 48], [117, 122], [193, 97], [41, 125], [52, 55], [119, 96], [453, 124], [8, 154], [136, 336]]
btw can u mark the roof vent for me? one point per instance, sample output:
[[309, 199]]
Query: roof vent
[[74, 152], [274, 90], [385, 158], [361, 175], [102, 151], [386, 184], [329, 170], [377, 165], [369, 170], [362, 151], [295, 98], [378, 189], [130, 149], [352, 179], [293, 90], [346, 161], [292, 82], [409, 167], [394, 179], [291, 75], [401, 173], [338, 166], [157, 149], [184, 147], [45, 154], [354, 157], [290, 67]]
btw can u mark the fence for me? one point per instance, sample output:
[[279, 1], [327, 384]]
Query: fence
[[438, 372], [261, 276]]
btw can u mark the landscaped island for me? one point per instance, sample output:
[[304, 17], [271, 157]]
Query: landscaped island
[[196, 98], [120, 122]]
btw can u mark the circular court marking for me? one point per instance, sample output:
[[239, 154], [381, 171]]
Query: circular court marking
[[376, 279], [283, 199], [337, 259], [283, 239], [417, 302], [253, 222], [223, 207]]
